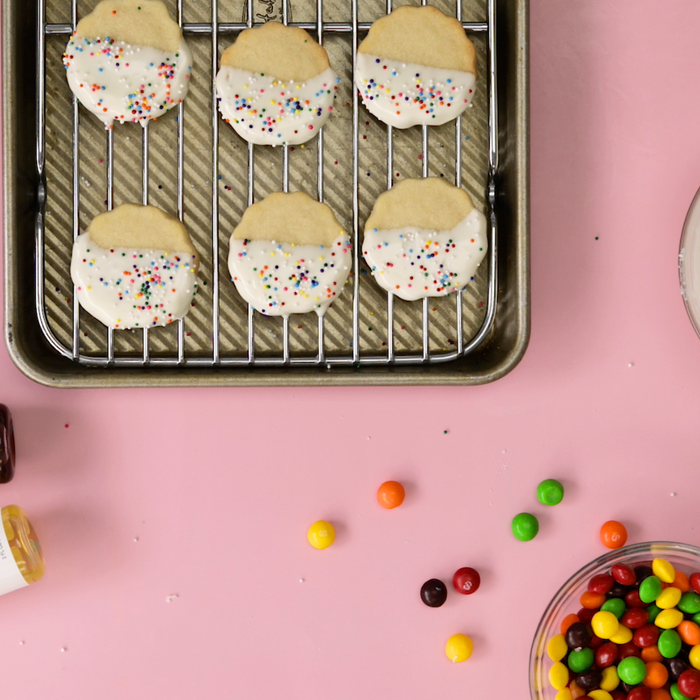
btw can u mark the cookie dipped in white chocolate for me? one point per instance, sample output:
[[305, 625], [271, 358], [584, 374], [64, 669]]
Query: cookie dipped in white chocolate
[[128, 61], [435, 256], [275, 85], [289, 255], [416, 66], [135, 267]]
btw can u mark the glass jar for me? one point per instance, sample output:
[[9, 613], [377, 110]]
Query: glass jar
[[684, 557], [21, 558]]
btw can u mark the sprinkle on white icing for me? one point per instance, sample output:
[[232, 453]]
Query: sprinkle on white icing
[[132, 288], [414, 262], [279, 279], [272, 112], [406, 94], [126, 82]]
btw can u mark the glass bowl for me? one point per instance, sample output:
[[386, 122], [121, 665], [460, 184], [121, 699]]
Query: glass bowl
[[689, 263], [684, 557]]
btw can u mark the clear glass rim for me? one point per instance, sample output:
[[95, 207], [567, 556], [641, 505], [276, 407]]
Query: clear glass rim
[[613, 556], [682, 270]]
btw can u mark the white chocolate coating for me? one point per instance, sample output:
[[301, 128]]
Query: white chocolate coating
[[407, 94], [125, 82], [414, 263], [132, 288], [272, 112], [278, 279]]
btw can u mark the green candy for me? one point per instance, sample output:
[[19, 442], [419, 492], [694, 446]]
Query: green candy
[[689, 603], [696, 619], [616, 606], [580, 661], [669, 644], [676, 693], [525, 527], [550, 492], [632, 670], [653, 611], [650, 589]]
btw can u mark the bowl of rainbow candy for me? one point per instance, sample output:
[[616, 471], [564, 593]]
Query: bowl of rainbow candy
[[624, 627]]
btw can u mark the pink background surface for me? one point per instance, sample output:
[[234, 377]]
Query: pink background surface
[[207, 494]]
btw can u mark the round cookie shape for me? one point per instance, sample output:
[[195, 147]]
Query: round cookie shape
[[275, 85], [415, 67], [424, 238], [289, 255], [135, 267], [128, 61]]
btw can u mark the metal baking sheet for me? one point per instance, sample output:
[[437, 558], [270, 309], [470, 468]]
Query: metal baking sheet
[[62, 168]]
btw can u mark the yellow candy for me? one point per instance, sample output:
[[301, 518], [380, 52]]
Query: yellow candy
[[664, 570], [599, 695], [609, 680], [321, 534], [694, 657], [459, 648], [559, 676], [604, 624], [668, 619], [557, 648], [669, 598], [564, 694], [622, 636]]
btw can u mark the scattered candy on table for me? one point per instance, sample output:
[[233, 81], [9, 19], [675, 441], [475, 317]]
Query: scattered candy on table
[[321, 534], [433, 593], [550, 492], [459, 648], [525, 527], [637, 637], [466, 580], [391, 494], [613, 534]]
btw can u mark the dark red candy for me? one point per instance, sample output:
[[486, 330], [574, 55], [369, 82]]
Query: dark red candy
[[633, 600], [646, 636], [433, 593], [689, 683], [595, 642], [639, 693], [624, 574], [606, 655], [676, 667], [579, 635], [695, 582], [586, 615], [643, 571], [618, 590], [618, 695], [588, 680], [601, 583], [629, 649], [634, 618]]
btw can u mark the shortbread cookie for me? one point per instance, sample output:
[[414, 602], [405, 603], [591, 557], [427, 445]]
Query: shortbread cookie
[[275, 85], [289, 255], [128, 61], [424, 238], [416, 66], [135, 267]]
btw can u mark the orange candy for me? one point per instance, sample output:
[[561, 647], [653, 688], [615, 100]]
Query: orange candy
[[568, 621], [681, 582], [576, 690], [592, 601], [613, 534], [651, 653], [657, 675], [689, 632], [660, 694], [390, 494]]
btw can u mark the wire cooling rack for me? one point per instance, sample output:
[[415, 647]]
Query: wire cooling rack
[[222, 330]]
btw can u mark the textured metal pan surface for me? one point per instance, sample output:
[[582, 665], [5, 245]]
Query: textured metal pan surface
[[205, 178]]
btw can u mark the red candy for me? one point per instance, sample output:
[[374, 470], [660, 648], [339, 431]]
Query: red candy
[[640, 693], [646, 636], [466, 580], [601, 583], [586, 614], [619, 695], [633, 600], [695, 582], [629, 649], [606, 655], [634, 618], [624, 574], [689, 683]]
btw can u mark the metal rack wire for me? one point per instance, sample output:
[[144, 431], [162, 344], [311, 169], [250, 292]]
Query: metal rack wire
[[215, 29]]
